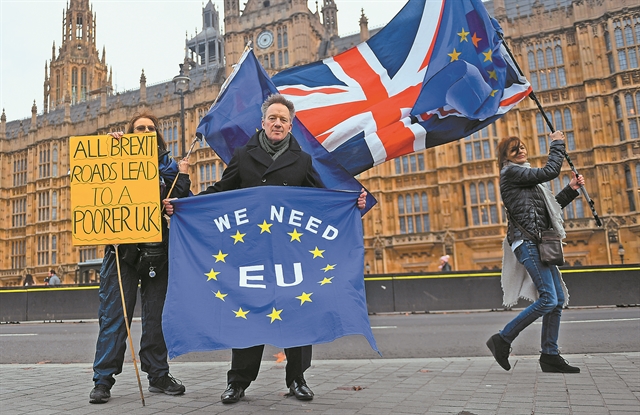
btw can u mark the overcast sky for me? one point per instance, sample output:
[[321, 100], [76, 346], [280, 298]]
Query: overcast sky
[[137, 34]]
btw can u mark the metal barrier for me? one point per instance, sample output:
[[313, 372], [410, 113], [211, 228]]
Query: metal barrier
[[588, 286]]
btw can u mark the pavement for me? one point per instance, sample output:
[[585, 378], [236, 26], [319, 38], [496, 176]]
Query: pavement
[[607, 384]]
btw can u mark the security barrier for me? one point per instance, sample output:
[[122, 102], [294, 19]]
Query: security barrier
[[588, 286]]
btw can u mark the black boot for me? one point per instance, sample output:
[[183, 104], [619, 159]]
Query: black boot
[[500, 350], [554, 363]]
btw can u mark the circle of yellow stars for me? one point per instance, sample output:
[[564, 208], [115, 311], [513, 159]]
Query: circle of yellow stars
[[275, 314]]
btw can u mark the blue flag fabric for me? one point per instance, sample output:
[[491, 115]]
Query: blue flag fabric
[[236, 116], [436, 73], [264, 265]]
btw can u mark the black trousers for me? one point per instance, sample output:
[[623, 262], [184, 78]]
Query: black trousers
[[245, 364]]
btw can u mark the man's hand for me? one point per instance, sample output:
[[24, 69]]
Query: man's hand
[[168, 206], [362, 199]]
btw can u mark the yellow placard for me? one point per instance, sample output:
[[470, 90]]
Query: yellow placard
[[115, 190]]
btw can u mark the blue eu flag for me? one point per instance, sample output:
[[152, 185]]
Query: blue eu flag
[[265, 265]]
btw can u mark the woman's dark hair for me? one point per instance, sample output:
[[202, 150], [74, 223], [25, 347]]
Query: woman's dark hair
[[161, 144], [504, 146]]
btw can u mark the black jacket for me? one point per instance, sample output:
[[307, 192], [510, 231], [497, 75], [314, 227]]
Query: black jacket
[[522, 198], [251, 166]]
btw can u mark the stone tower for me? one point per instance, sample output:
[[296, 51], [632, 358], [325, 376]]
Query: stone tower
[[77, 72]]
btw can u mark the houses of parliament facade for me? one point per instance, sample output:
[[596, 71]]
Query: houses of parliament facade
[[581, 57]]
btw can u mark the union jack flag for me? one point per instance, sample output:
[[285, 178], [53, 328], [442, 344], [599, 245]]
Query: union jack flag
[[436, 73]]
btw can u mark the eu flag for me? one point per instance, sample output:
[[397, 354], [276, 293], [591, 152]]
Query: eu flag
[[265, 265]]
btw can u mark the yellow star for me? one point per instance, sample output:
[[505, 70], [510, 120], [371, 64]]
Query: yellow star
[[454, 55], [329, 267], [475, 39], [463, 35], [265, 227], [212, 275], [493, 93], [238, 237], [275, 315], [493, 75], [325, 281], [241, 313], [220, 295], [295, 235], [220, 256], [317, 253], [304, 297], [488, 55]]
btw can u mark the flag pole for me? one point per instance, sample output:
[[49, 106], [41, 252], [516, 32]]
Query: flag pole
[[533, 96], [198, 136], [126, 322]]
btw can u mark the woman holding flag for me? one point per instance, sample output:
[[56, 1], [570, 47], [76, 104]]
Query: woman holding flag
[[531, 209]]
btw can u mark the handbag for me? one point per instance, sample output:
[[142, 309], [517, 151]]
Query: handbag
[[549, 244], [550, 248]]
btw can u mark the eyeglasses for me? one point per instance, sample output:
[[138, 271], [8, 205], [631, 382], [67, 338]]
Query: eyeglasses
[[143, 128]]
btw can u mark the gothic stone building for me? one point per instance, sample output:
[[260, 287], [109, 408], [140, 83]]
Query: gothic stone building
[[581, 57], [35, 226]]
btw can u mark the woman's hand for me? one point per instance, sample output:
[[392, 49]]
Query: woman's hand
[[558, 135], [168, 206], [576, 181], [362, 199], [116, 134], [183, 165]]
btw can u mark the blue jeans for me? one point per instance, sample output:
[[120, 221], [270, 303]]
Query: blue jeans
[[112, 339], [549, 304]]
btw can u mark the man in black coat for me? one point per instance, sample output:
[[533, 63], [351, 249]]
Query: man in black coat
[[272, 157]]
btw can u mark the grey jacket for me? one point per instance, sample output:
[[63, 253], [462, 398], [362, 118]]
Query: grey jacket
[[524, 200]]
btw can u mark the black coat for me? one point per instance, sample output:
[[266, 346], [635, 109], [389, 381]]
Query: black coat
[[251, 166], [525, 201]]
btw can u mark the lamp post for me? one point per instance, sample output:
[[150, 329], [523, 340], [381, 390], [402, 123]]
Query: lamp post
[[181, 82], [621, 253]]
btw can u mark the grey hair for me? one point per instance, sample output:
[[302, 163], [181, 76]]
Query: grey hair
[[278, 99]]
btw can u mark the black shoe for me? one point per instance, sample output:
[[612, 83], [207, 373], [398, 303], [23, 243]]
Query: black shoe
[[500, 350], [167, 384], [100, 394], [554, 363], [232, 394], [300, 390]]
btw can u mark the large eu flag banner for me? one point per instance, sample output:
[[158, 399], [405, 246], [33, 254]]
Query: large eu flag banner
[[265, 265]]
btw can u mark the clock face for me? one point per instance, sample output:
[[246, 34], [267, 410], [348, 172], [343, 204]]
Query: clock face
[[265, 39]]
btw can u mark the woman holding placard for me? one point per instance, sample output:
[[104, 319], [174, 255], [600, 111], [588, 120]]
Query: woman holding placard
[[144, 264]]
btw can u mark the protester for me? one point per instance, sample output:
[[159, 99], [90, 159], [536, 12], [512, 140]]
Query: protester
[[272, 157], [53, 278], [531, 209], [145, 264], [28, 280], [444, 264]]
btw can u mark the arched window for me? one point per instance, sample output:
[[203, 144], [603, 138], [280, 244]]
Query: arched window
[[83, 84], [54, 161], [559, 58], [542, 133], [630, 188], [54, 205], [532, 60], [74, 85]]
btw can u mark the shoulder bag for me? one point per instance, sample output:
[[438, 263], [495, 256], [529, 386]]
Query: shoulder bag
[[549, 244]]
